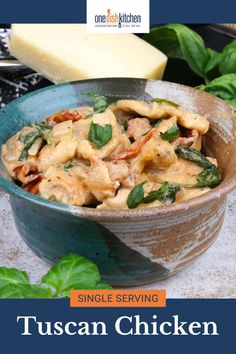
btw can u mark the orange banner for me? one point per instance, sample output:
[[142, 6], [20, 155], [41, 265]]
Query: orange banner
[[118, 298]]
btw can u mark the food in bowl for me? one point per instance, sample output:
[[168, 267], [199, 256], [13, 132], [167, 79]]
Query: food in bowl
[[130, 154]]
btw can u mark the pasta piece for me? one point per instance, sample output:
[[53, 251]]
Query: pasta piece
[[117, 202], [56, 154], [163, 110], [98, 181]]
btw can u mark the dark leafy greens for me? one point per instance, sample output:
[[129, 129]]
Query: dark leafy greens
[[41, 130], [223, 87], [100, 135], [100, 103], [71, 272], [180, 42], [171, 134], [210, 176], [166, 194], [136, 196], [163, 100]]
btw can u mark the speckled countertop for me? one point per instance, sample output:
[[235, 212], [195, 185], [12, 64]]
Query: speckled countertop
[[212, 275]]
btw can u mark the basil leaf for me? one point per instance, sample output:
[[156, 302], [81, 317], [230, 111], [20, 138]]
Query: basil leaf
[[171, 134], [12, 276], [100, 135], [72, 272], [24, 291], [193, 155], [179, 41], [68, 165], [212, 67], [223, 87], [210, 176], [228, 60], [100, 103], [28, 140], [103, 286], [136, 195], [165, 194], [163, 100]]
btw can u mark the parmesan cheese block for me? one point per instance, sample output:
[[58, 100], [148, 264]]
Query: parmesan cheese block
[[66, 52]]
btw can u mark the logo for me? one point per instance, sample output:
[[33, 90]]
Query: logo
[[122, 16]]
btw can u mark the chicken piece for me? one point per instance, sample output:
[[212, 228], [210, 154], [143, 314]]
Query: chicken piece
[[65, 187], [137, 127], [156, 151], [55, 154], [192, 139], [163, 110], [118, 170], [117, 202], [98, 181]]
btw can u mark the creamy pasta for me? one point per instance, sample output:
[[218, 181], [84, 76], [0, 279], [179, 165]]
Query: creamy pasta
[[130, 154]]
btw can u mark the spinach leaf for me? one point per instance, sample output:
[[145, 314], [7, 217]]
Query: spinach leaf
[[223, 87], [136, 196], [12, 276], [179, 41], [171, 134], [100, 103], [68, 165], [165, 194], [24, 291], [210, 176], [163, 100], [100, 135], [193, 155], [28, 140], [228, 60], [72, 272]]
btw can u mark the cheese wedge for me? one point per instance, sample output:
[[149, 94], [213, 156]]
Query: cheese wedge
[[66, 52]]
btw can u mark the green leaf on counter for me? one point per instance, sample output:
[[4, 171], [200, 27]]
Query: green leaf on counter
[[165, 194], [12, 276], [100, 135], [163, 100], [72, 272], [136, 196], [24, 291], [171, 134]]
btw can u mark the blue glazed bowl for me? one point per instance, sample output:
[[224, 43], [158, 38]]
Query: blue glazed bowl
[[130, 247]]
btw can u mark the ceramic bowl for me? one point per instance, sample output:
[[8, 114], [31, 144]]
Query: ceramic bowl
[[130, 247]]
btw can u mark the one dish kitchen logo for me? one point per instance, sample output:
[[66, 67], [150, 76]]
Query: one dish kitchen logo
[[118, 19], [123, 16]]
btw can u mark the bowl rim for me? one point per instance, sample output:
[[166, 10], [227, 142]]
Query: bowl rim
[[213, 195]]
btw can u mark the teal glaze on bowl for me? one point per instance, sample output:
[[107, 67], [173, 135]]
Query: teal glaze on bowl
[[130, 247]]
